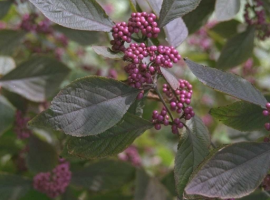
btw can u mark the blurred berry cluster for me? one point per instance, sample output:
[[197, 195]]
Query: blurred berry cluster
[[53, 183], [267, 113], [20, 126]]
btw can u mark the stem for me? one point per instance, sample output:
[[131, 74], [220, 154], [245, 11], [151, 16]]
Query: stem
[[161, 98]]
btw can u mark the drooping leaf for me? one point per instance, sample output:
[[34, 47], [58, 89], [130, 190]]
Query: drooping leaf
[[75, 14], [176, 31], [198, 17], [134, 6], [104, 51], [10, 40], [36, 79], [104, 175], [232, 172], [88, 106], [7, 112], [170, 78], [241, 115], [149, 188], [226, 9], [172, 9], [13, 187], [112, 141], [42, 156], [83, 38], [226, 29], [6, 65], [4, 8], [227, 83], [192, 150], [237, 50]]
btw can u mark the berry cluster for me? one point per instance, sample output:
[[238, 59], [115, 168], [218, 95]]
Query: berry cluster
[[21, 126], [145, 23], [29, 23], [131, 155], [122, 32], [267, 113], [53, 183], [201, 39], [266, 183], [255, 15], [179, 100]]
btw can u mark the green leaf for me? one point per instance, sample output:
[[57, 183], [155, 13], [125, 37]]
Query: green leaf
[[13, 187], [105, 52], [257, 195], [10, 40], [232, 172], [137, 108], [169, 182], [149, 188], [198, 17], [226, 29], [36, 79], [88, 106], [241, 115], [237, 49], [4, 8], [227, 83], [7, 113], [84, 38], [35, 195], [112, 141], [172, 9], [104, 175], [6, 65], [192, 150], [170, 78], [176, 31], [42, 157], [75, 14], [226, 9]]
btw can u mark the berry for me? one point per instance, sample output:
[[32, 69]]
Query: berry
[[131, 155], [21, 126], [267, 126], [55, 182]]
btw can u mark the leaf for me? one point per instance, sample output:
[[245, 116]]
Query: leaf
[[227, 83], [258, 195], [4, 8], [75, 14], [88, 106], [226, 9], [176, 31], [170, 78], [35, 195], [233, 172], [237, 50], [149, 188], [36, 79], [241, 115], [199, 17], [172, 9], [6, 65], [10, 40], [169, 182], [112, 141], [84, 38], [104, 51], [192, 150], [103, 175], [137, 108], [42, 157], [13, 187], [7, 114], [226, 29]]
